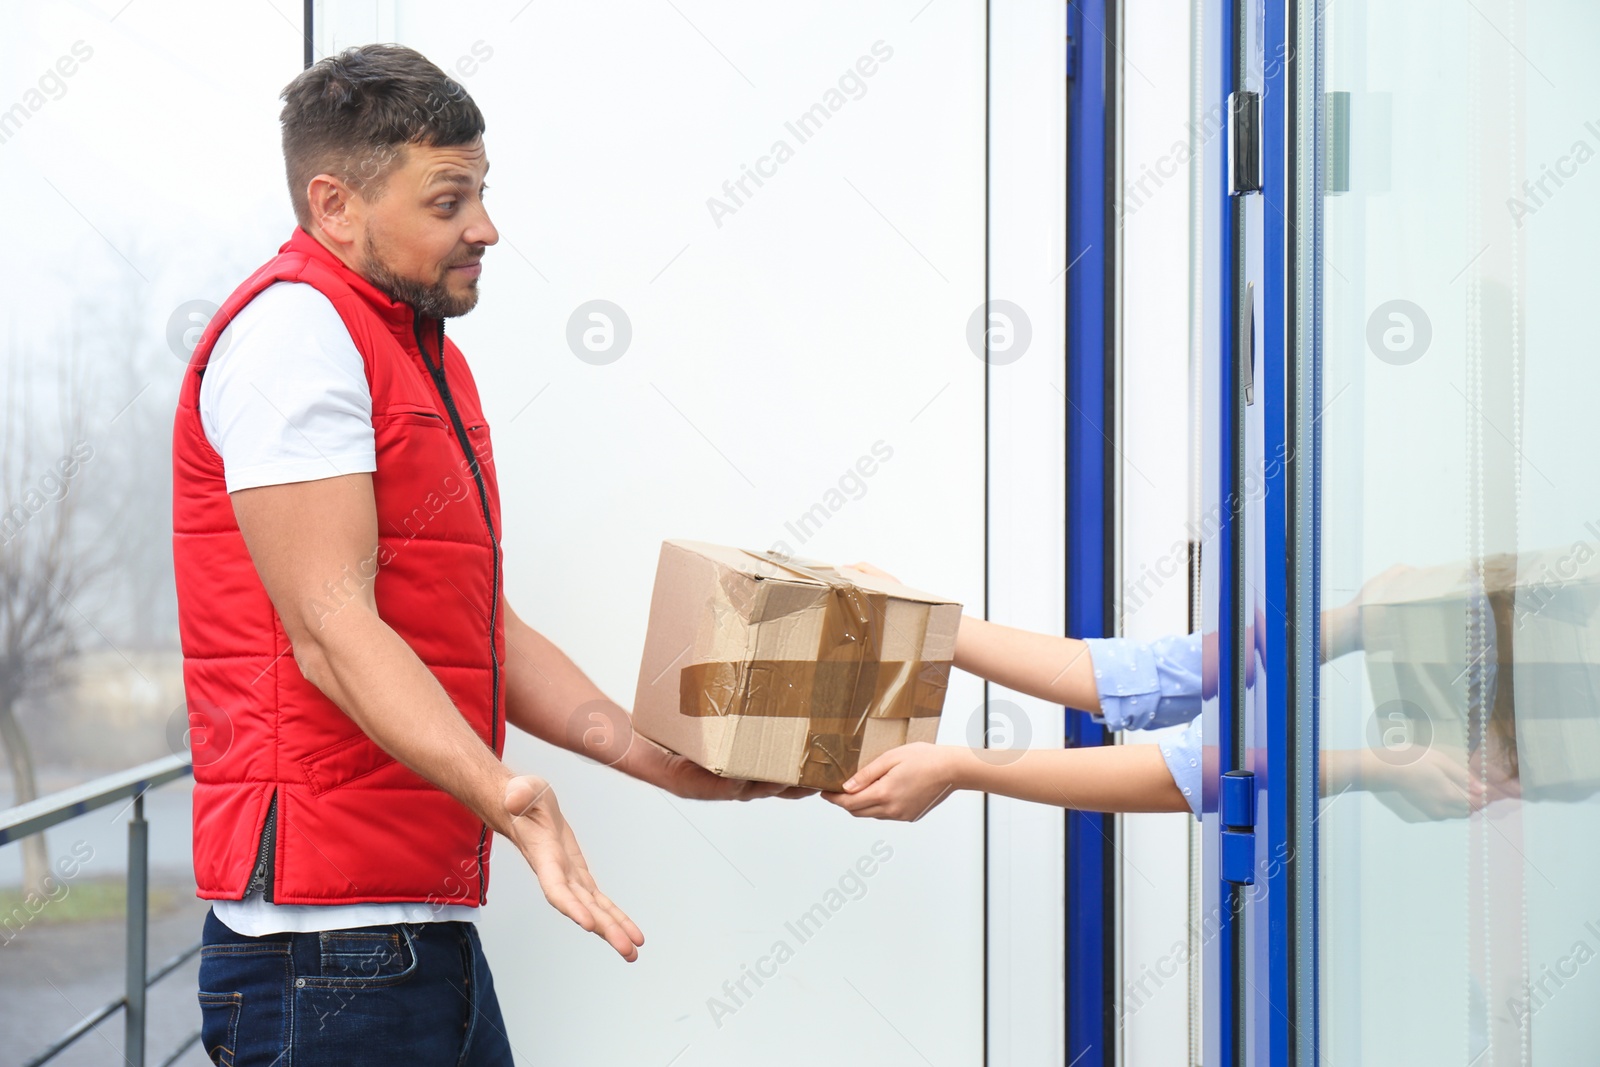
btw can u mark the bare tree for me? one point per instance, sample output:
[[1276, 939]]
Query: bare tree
[[47, 563], [131, 482]]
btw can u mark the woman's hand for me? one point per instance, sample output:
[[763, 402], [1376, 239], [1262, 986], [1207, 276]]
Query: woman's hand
[[904, 784], [1440, 783]]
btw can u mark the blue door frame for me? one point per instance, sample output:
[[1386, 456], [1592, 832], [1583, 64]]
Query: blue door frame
[[1259, 935], [1273, 751], [1224, 559], [1090, 248], [1263, 984]]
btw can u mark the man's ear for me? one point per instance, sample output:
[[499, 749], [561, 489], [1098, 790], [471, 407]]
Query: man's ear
[[333, 208]]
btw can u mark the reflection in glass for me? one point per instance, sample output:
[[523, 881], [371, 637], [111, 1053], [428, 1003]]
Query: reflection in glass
[[1458, 499]]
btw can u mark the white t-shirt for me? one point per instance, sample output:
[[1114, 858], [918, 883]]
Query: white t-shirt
[[287, 400]]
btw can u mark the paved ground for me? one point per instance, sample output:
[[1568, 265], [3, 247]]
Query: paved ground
[[52, 975]]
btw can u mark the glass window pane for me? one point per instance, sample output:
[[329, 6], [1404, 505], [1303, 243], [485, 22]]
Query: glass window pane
[[1458, 509]]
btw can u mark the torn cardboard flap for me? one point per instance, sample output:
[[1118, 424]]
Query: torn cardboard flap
[[785, 670]]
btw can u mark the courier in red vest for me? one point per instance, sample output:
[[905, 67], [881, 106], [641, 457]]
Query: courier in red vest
[[350, 660]]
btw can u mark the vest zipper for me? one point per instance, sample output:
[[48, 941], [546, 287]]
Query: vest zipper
[[261, 877], [443, 384]]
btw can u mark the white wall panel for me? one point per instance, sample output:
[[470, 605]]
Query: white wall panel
[[771, 348], [1027, 531], [1153, 210]]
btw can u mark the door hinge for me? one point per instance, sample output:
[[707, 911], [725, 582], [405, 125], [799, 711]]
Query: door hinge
[[1244, 143], [1236, 809]]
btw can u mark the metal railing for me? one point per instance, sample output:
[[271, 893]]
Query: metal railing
[[38, 815]]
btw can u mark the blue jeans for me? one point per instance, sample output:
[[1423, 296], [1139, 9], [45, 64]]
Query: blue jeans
[[413, 993]]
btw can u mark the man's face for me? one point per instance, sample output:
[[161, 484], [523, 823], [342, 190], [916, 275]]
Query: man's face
[[423, 236]]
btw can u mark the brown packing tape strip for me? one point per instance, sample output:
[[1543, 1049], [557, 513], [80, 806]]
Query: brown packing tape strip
[[849, 626], [865, 605], [847, 683], [851, 636], [831, 754], [803, 689]]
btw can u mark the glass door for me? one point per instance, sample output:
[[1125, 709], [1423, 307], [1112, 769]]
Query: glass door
[[1450, 301]]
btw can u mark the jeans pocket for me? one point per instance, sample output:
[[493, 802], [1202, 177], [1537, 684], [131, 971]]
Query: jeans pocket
[[364, 958], [219, 1025]]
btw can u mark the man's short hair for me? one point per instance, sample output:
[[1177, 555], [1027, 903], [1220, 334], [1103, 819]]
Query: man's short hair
[[352, 115]]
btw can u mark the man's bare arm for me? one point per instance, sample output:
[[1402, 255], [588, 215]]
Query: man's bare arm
[[549, 696], [302, 535]]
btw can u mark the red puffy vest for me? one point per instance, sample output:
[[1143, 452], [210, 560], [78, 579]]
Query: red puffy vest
[[290, 795]]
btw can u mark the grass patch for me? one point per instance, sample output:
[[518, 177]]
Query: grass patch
[[84, 900]]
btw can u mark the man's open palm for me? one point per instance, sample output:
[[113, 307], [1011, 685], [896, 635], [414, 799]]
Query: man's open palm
[[546, 841]]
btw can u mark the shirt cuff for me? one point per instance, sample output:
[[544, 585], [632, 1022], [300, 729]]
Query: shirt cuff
[[1182, 754], [1143, 685]]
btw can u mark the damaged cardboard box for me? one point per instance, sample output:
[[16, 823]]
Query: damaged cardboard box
[[770, 668]]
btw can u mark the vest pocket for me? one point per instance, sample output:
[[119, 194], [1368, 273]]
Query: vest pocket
[[343, 761], [415, 417]]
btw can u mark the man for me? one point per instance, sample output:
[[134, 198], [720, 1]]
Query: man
[[350, 660]]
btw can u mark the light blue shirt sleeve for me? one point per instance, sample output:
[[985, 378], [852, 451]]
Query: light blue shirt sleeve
[[1148, 685], [1182, 754]]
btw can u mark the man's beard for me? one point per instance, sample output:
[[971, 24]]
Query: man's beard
[[433, 301]]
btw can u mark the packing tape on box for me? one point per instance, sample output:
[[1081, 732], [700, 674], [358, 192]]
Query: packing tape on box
[[850, 630], [802, 689], [832, 754], [847, 679], [854, 605], [845, 685]]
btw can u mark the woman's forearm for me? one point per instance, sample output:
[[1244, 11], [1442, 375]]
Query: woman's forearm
[[1057, 669], [1108, 778]]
